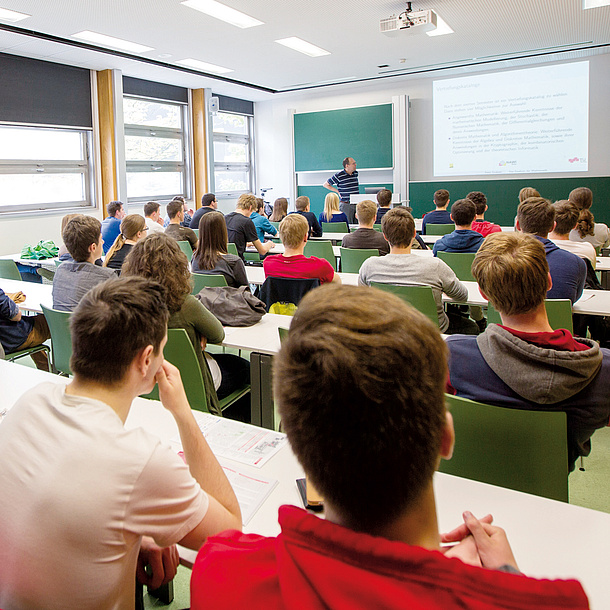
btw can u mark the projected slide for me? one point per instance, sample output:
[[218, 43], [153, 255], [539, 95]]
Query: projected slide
[[521, 121]]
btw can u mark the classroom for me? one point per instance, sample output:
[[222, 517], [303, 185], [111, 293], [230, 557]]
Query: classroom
[[152, 102]]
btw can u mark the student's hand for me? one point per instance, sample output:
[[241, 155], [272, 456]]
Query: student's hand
[[171, 390], [162, 563], [204, 342]]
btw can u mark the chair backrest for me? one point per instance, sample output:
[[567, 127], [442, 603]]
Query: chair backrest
[[335, 227], [286, 290], [432, 229], [275, 223], [321, 249], [180, 352], [283, 332], [352, 258], [202, 280], [378, 228], [253, 257], [519, 449], [558, 311], [185, 246], [61, 340], [57, 263], [196, 231], [9, 270], [232, 248], [460, 262], [421, 297]]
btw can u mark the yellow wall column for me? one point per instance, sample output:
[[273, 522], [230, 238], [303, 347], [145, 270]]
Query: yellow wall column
[[107, 138], [200, 151]]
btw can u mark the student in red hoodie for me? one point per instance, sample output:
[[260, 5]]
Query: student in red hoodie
[[480, 225], [370, 442]]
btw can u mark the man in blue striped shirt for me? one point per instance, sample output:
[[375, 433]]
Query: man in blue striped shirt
[[345, 183]]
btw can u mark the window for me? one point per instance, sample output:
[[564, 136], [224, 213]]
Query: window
[[233, 173], [155, 149], [44, 168]]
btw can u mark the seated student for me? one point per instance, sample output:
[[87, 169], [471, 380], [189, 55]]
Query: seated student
[[439, 216], [402, 267], [211, 256], [331, 212], [152, 216], [347, 421], [175, 229], [63, 253], [596, 233], [464, 238], [261, 222], [293, 263], [73, 279], [241, 229], [302, 208], [524, 363], [566, 220], [133, 229], [537, 216], [365, 236], [208, 204], [188, 213], [480, 225], [111, 226], [526, 192], [384, 199], [280, 210]]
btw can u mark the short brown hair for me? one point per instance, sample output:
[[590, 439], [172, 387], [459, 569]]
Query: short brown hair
[[479, 200], [80, 232], [526, 192], [357, 431], [511, 269], [260, 204], [150, 207], [566, 216], [293, 230], [173, 208], [113, 207], [247, 201], [536, 215], [384, 198], [441, 197], [366, 211], [346, 162], [114, 322], [463, 212], [398, 227], [207, 199], [301, 203]]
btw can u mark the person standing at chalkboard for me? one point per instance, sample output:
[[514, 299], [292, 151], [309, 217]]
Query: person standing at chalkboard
[[345, 183]]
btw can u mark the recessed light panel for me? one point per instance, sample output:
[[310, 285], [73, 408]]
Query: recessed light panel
[[594, 3], [12, 16], [202, 65], [223, 12], [110, 41], [302, 46]]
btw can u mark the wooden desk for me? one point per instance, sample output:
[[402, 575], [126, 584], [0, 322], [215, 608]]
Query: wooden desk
[[550, 539]]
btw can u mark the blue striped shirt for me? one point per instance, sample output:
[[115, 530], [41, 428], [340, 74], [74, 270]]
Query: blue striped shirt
[[347, 184]]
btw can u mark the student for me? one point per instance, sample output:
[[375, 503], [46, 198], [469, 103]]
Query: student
[[537, 216], [80, 495], [152, 216], [280, 209], [111, 227], [384, 199], [302, 207], [439, 216], [348, 419], [566, 220], [63, 254], [365, 236], [211, 256], [241, 229], [596, 233], [526, 192], [133, 229], [73, 279], [480, 225], [293, 263], [331, 212], [402, 267], [464, 238], [188, 213], [175, 229], [208, 204], [262, 224], [524, 363]]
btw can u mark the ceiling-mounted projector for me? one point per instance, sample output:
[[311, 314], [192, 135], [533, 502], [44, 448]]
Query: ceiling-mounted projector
[[425, 21]]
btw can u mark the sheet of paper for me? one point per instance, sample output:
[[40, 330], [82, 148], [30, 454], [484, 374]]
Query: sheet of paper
[[585, 297]]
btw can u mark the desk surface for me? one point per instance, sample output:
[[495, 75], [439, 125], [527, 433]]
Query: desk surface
[[48, 263], [35, 294], [550, 539]]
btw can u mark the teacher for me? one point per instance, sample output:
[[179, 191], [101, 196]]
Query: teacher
[[345, 183]]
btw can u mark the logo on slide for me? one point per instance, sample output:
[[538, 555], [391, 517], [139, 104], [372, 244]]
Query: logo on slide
[[577, 160], [502, 164], [505, 163]]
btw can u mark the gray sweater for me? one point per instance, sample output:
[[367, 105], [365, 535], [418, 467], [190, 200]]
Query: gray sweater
[[73, 280], [414, 270]]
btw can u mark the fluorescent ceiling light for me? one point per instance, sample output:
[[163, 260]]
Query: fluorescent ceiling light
[[594, 3], [442, 27], [302, 46], [12, 16], [110, 41], [222, 12], [202, 65]]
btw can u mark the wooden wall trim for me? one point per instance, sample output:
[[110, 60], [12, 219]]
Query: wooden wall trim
[[200, 154], [108, 175]]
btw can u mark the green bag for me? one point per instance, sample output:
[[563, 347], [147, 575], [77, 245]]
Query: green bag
[[44, 249]]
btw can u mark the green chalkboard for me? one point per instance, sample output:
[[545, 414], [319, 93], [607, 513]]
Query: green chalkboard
[[323, 139]]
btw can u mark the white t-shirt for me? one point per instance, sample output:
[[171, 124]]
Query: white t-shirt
[[77, 493], [581, 248], [153, 227]]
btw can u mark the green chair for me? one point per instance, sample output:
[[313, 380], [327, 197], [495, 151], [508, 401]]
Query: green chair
[[515, 448], [202, 280], [321, 249], [378, 228], [22, 353], [185, 246], [421, 297], [334, 227], [352, 258], [559, 312], [232, 248], [9, 270], [253, 257], [61, 341], [283, 332], [276, 224], [432, 229], [196, 231], [460, 262], [57, 263]]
